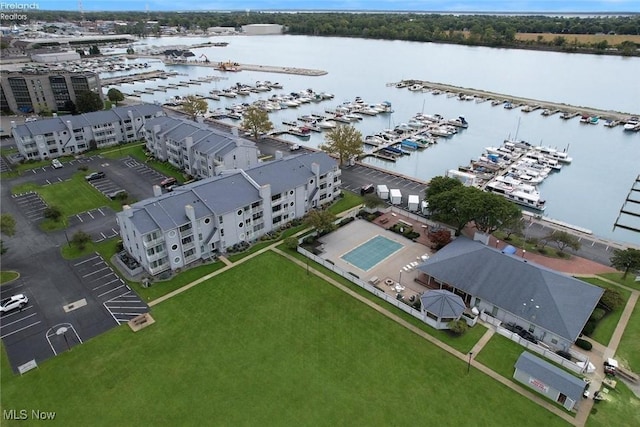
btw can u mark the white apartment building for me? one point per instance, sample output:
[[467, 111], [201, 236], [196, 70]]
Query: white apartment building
[[69, 135], [196, 148], [204, 218]]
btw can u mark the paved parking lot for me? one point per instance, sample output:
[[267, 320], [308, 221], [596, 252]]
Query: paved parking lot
[[99, 223], [31, 205], [4, 165], [144, 170], [354, 177], [109, 289], [105, 186]]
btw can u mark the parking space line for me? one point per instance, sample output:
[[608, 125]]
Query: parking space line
[[4, 325], [21, 329], [105, 284], [100, 210], [114, 289], [86, 260], [15, 312], [89, 213], [94, 272], [79, 217]]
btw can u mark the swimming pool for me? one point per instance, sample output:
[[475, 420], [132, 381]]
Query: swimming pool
[[372, 252]]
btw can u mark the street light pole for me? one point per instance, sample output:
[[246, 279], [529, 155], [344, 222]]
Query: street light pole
[[400, 278], [469, 363]]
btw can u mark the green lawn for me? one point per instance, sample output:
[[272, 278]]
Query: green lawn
[[629, 349], [71, 197], [607, 325], [8, 276], [629, 281], [137, 152], [622, 408], [348, 201], [500, 354], [463, 343], [297, 351]]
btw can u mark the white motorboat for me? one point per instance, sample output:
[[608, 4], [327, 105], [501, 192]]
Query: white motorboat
[[516, 191], [633, 124], [326, 124]]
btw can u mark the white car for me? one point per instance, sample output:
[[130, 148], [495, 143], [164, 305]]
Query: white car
[[56, 164], [11, 303]]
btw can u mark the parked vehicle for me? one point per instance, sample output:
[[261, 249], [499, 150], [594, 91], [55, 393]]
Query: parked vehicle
[[367, 189], [56, 164], [114, 195], [168, 181], [11, 303], [94, 175]]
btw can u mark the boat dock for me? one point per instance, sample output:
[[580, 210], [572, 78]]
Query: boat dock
[[151, 75], [252, 67], [511, 102], [630, 207]]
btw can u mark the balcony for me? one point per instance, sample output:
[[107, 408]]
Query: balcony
[[154, 242], [156, 256]]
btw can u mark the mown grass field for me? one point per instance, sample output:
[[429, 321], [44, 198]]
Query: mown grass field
[[629, 349], [265, 344]]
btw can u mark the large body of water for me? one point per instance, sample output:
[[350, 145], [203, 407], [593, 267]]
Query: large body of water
[[588, 193]]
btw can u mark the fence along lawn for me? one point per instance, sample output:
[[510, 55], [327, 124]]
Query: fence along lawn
[[266, 344]]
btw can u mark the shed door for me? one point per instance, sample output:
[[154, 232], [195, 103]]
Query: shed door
[[562, 398]]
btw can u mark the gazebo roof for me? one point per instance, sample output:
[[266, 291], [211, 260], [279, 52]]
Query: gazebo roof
[[442, 303]]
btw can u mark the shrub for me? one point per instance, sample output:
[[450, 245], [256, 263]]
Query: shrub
[[611, 300], [584, 344], [345, 221], [291, 243], [589, 328], [53, 212], [564, 354], [597, 314], [458, 327]]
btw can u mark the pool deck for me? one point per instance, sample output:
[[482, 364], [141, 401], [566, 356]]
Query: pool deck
[[346, 238]]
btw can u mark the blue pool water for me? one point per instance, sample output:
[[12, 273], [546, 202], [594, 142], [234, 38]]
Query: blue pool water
[[371, 252]]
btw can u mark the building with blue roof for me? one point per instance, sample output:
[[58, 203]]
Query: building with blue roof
[[202, 219]]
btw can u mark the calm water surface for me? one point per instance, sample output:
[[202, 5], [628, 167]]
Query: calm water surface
[[588, 193]]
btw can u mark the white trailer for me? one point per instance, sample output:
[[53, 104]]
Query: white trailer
[[414, 202], [395, 196], [382, 191]]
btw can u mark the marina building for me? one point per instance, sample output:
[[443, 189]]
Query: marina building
[[198, 149], [69, 135], [552, 307], [33, 92], [202, 219], [261, 29]]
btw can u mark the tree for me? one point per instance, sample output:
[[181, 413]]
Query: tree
[[53, 213], [494, 211], [372, 201], [115, 95], [80, 239], [321, 220], [345, 141], [457, 206], [440, 184], [511, 226], [256, 121], [458, 327], [291, 242], [7, 225], [564, 240], [87, 101], [626, 260], [70, 106], [194, 106], [440, 238]]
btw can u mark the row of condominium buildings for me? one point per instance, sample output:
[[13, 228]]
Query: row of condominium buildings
[[237, 199]]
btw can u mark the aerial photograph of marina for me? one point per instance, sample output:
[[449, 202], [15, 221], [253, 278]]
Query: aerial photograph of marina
[[320, 213]]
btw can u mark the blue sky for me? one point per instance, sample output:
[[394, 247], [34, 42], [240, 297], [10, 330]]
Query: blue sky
[[587, 6]]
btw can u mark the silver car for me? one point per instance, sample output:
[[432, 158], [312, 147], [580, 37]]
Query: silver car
[[11, 303]]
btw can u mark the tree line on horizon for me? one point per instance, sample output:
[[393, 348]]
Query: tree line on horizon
[[485, 30]]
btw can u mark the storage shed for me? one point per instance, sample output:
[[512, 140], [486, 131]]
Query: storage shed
[[395, 196], [414, 202], [382, 191], [549, 380]]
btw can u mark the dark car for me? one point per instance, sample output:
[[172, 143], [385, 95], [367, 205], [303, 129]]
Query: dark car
[[94, 175], [527, 336], [367, 189]]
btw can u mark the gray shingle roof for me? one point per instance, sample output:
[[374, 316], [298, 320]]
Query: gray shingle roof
[[290, 171], [551, 375], [564, 304], [57, 124], [442, 303]]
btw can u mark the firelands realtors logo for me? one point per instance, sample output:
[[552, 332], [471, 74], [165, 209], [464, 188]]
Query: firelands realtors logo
[[16, 11]]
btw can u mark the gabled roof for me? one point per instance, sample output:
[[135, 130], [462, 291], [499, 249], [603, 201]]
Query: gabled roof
[[552, 300], [58, 124], [442, 303], [290, 170], [551, 375]]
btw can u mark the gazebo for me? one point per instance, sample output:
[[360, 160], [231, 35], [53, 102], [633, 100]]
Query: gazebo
[[439, 307]]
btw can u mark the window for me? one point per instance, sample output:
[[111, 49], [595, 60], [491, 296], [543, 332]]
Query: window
[[174, 247], [277, 208], [291, 193], [275, 197], [222, 232], [532, 328], [208, 220], [241, 224], [291, 204], [239, 211], [220, 220], [176, 259]]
